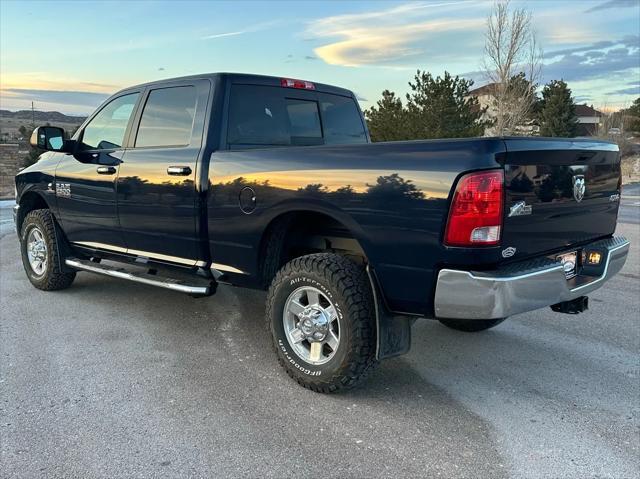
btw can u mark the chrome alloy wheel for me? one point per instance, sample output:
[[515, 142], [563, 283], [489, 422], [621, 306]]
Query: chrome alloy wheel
[[311, 325], [37, 251]]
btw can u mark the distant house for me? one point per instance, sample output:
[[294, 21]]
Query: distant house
[[588, 119], [486, 96]]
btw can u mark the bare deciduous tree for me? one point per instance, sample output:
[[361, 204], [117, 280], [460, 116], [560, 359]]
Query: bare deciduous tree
[[612, 127], [513, 64]]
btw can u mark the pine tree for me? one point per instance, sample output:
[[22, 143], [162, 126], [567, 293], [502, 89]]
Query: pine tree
[[442, 108], [557, 111], [387, 122], [633, 112]]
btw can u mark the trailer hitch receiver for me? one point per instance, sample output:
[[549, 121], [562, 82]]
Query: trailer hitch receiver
[[574, 306]]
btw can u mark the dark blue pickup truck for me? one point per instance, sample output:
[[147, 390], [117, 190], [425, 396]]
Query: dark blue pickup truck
[[273, 183]]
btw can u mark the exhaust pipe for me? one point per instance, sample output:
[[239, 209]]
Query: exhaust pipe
[[574, 306]]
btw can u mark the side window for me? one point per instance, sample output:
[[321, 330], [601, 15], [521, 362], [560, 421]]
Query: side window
[[106, 130], [341, 120], [167, 118]]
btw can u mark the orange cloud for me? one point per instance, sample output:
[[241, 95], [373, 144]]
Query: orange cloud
[[383, 36]]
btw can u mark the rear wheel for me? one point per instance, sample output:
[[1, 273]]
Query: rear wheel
[[471, 325], [321, 317], [40, 252]]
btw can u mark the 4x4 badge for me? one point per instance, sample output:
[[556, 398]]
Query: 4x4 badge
[[63, 190], [520, 208]]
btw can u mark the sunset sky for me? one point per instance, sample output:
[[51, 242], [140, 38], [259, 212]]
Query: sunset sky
[[68, 56]]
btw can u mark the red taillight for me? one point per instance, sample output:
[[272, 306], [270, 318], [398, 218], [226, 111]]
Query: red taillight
[[304, 85], [475, 217]]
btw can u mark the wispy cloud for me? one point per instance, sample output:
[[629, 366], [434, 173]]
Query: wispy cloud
[[77, 98], [597, 60], [46, 81], [630, 41], [386, 36], [613, 4], [613, 62], [249, 29], [634, 90], [66, 101], [220, 35]]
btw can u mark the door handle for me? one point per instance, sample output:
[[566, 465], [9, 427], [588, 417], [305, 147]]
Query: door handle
[[106, 170], [179, 170]]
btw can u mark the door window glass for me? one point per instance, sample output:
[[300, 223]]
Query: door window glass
[[167, 118], [106, 130]]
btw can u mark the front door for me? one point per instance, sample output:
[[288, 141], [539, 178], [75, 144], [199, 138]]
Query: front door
[[86, 180], [157, 178]]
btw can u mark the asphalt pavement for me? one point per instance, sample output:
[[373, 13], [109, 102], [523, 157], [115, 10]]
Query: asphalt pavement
[[629, 211], [114, 379]]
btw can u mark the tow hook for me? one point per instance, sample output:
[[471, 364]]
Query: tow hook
[[574, 306]]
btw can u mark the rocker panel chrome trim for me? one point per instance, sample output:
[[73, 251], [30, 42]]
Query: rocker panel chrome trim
[[94, 245], [162, 257], [140, 253]]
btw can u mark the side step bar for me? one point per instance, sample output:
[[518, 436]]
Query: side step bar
[[145, 278]]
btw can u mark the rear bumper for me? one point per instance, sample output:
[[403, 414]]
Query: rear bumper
[[523, 287]]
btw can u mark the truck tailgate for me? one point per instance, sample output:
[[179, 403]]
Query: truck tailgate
[[559, 193]]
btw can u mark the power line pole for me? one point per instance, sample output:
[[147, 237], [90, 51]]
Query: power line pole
[[33, 116]]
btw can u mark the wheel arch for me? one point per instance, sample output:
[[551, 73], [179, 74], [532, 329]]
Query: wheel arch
[[30, 201], [294, 232]]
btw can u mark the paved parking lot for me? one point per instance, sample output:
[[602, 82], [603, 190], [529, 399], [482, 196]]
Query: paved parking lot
[[112, 379]]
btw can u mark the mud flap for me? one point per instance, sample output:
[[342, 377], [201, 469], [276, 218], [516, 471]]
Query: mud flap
[[64, 251], [393, 336]]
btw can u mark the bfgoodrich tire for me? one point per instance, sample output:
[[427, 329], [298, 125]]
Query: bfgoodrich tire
[[40, 252], [324, 299], [471, 325]]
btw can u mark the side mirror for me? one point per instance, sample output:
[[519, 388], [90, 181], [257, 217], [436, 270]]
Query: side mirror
[[49, 138]]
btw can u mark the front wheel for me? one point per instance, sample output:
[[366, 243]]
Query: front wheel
[[40, 249], [471, 325], [320, 314]]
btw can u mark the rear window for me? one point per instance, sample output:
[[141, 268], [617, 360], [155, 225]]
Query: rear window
[[272, 116]]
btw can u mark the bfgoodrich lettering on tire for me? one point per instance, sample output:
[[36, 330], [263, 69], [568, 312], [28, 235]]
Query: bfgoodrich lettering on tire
[[321, 317]]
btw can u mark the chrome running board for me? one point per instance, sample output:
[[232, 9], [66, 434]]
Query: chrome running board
[[144, 278]]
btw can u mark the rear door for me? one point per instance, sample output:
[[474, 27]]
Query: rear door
[[157, 179], [559, 193]]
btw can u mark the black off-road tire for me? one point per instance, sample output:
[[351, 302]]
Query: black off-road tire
[[53, 278], [346, 284], [471, 325]]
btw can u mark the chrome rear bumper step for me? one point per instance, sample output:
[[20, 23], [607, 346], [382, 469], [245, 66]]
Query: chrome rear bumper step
[[523, 287], [144, 278]]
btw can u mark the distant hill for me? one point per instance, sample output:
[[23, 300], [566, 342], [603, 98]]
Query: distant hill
[[42, 116]]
